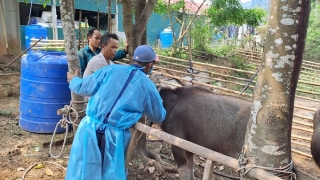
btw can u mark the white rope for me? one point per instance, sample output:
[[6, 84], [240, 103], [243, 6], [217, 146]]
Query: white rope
[[279, 172], [64, 123]]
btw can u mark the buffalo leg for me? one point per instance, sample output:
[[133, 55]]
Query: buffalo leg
[[184, 161]]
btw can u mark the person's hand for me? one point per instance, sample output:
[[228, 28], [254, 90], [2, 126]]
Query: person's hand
[[126, 48], [70, 75]]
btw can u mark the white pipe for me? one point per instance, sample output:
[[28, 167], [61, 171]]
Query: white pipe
[[54, 20], [116, 17], [30, 13]]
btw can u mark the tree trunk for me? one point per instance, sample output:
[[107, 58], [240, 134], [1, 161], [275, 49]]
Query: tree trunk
[[67, 17], [136, 35], [144, 39], [268, 136], [134, 31]]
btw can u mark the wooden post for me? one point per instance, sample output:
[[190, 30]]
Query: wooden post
[[207, 173], [132, 144]]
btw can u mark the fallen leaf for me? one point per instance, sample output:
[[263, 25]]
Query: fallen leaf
[[151, 169], [20, 169], [49, 172], [39, 166], [151, 162], [221, 168], [203, 165], [197, 163], [141, 167], [37, 149]]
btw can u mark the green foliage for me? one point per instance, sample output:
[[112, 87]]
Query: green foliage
[[254, 16], [6, 112], [163, 52], [201, 33], [44, 2], [162, 6], [224, 12], [223, 50], [312, 45]]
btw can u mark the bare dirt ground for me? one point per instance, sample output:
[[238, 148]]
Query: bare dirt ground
[[25, 153]]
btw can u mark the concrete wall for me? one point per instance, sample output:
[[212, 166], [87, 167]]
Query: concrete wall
[[12, 28]]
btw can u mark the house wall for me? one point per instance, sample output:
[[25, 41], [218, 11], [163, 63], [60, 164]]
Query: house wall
[[89, 5], [12, 28]]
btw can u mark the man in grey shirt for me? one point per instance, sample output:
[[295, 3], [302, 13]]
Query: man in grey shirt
[[109, 46]]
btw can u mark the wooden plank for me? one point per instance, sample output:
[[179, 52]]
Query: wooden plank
[[207, 173], [206, 77], [301, 153], [206, 64], [305, 108], [301, 137], [302, 123], [303, 117], [300, 144], [303, 129]]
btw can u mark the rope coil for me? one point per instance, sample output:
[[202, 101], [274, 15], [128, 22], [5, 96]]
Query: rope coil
[[284, 172], [68, 113], [242, 162], [279, 172]]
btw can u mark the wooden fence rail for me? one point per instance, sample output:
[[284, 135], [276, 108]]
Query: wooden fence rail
[[203, 152], [222, 67]]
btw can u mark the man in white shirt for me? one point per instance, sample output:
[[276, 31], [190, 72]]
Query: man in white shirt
[[109, 45]]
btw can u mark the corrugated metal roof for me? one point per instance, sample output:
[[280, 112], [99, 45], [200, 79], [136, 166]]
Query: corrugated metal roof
[[89, 5]]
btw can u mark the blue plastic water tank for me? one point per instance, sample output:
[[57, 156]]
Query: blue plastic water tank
[[166, 38], [35, 31], [43, 90]]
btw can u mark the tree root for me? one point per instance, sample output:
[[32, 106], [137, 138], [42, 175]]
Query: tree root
[[151, 158]]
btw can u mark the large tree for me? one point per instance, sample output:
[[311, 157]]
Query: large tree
[[135, 18], [268, 136], [67, 17], [136, 14]]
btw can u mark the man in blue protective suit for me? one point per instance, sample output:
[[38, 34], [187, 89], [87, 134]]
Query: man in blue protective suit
[[120, 96]]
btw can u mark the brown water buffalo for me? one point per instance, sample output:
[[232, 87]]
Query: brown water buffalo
[[214, 121], [315, 141]]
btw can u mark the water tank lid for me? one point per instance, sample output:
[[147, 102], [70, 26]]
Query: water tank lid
[[167, 29], [47, 57]]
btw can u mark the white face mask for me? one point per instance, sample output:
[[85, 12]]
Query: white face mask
[[150, 71]]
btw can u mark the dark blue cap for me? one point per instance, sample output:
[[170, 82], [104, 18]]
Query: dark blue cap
[[144, 53]]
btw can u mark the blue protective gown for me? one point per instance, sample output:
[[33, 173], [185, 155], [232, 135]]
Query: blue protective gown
[[140, 97]]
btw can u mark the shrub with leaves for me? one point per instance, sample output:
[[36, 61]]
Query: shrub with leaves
[[312, 46]]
